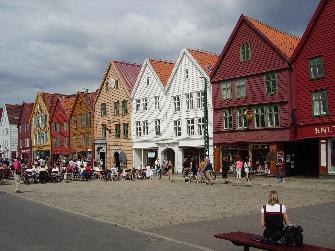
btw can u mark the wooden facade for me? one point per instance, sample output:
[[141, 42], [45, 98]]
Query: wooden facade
[[40, 124], [24, 130], [315, 90], [112, 115], [82, 126], [60, 129], [249, 121]]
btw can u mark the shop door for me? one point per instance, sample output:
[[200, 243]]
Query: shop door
[[331, 156]]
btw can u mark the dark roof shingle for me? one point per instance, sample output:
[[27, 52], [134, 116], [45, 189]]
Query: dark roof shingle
[[13, 113], [129, 73]]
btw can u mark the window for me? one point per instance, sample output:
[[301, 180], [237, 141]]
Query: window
[[200, 99], [241, 88], [56, 142], [26, 127], [82, 121], [117, 131], [245, 52], [137, 105], [88, 119], [88, 139], [74, 121], [320, 103], [148, 81], [116, 83], [103, 131], [66, 126], [20, 129], [56, 126], [116, 109], [145, 104], [46, 137], [177, 128], [186, 73], [158, 127], [190, 127], [316, 68], [145, 127], [156, 102], [189, 101], [66, 142], [270, 81], [82, 139], [176, 103], [266, 116], [103, 110], [138, 129], [27, 142], [225, 90], [125, 131], [201, 123], [241, 118], [124, 107], [227, 119]]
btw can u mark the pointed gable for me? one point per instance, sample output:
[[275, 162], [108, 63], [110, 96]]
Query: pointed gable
[[270, 50], [13, 113], [25, 113], [67, 102], [206, 60], [128, 72], [163, 69], [49, 100]]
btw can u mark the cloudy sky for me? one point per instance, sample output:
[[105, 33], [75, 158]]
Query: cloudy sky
[[64, 45]]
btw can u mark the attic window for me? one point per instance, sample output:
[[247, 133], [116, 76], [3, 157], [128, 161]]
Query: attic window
[[245, 52], [186, 73], [148, 81], [209, 68]]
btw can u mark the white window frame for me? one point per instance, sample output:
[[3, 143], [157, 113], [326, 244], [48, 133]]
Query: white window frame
[[227, 119], [176, 103], [137, 105], [138, 129], [200, 99], [241, 119], [201, 126], [157, 127], [189, 101], [144, 104], [145, 126], [241, 88], [157, 104], [190, 127], [225, 88], [177, 128]]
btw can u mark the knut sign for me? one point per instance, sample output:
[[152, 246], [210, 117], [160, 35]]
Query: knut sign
[[324, 130]]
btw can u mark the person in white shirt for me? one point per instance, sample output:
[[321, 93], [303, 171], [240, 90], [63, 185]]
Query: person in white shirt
[[148, 172], [273, 217]]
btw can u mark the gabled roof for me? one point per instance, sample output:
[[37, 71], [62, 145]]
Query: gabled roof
[[67, 102], [309, 28], [92, 97], [25, 112], [49, 100], [205, 59], [282, 42], [13, 113], [163, 69], [128, 72]]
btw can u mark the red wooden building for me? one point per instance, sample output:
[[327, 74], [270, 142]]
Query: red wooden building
[[24, 132], [251, 95], [60, 127], [314, 74]]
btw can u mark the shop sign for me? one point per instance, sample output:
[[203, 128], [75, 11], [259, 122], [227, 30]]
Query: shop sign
[[320, 130], [151, 154]]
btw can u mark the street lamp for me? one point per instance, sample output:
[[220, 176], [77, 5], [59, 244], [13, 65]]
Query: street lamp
[[206, 135]]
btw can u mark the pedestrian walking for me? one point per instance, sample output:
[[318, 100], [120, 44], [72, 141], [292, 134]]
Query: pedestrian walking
[[280, 170], [201, 170], [224, 169], [239, 166], [17, 175], [170, 169], [208, 172], [247, 165], [158, 168]]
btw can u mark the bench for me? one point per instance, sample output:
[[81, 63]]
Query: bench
[[250, 240]]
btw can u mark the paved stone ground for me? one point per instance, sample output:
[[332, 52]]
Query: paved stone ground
[[192, 212]]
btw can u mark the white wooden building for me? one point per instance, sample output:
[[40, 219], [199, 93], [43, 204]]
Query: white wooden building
[[149, 110], [174, 129], [9, 131]]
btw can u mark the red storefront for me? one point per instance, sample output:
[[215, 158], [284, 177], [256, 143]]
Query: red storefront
[[24, 130], [314, 75], [60, 127], [251, 96]]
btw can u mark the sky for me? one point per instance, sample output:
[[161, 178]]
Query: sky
[[64, 46]]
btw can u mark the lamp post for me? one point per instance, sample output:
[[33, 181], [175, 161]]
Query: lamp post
[[206, 135]]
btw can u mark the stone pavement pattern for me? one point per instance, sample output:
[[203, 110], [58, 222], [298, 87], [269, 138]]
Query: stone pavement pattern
[[178, 209]]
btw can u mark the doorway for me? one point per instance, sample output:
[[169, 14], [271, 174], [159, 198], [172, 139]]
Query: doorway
[[169, 155]]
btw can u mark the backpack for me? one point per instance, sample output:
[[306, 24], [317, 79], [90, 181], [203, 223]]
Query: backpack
[[292, 236]]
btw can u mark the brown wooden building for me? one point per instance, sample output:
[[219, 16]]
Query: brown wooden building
[[112, 115], [24, 129], [82, 126]]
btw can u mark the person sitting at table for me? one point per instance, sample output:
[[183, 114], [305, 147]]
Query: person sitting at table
[[43, 174], [97, 171]]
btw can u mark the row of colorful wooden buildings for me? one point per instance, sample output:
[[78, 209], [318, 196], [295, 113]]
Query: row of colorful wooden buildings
[[271, 96]]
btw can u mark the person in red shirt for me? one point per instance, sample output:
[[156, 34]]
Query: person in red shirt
[[280, 170]]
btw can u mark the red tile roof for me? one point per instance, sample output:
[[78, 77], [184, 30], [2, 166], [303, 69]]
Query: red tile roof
[[285, 42], [49, 100], [163, 69], [25, 112], [128, 73], [205, 59], [67, 101], [13, 113]]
